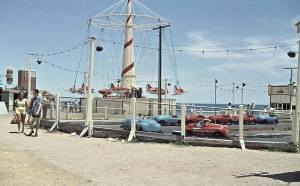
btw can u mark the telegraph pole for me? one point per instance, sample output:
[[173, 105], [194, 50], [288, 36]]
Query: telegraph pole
[[29, 76], [216, 81], [233, 89], [291, 84], [242, 93], [166, 92], [291, 70], [159, 64]]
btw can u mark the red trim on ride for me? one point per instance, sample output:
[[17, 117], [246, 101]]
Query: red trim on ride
[[127, 69], [128, 43], [128, 19]]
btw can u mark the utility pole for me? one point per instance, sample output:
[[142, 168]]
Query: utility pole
[[29, 75], [242, 93], [296, 124], [89, 99], [216, 81], [159, 64], [291, 70], [291, 84], [233, 89]]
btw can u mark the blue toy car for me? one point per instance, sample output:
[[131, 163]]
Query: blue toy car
[[167, 120], [264, 118], [147, 125]]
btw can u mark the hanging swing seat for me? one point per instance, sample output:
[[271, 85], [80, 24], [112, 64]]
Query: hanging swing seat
[[105, 92], [154, 90], [118, 89], [80, 90], [178, 91]]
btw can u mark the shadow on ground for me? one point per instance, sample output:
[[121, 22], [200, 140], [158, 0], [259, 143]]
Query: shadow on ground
[[288, 177]]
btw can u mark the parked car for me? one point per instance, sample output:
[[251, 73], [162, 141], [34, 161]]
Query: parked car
[[147, 125], [265, 118], [207, 129], [193, 118], [229, 120], [167, 119]]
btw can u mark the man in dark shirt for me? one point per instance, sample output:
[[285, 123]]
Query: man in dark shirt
[[34, 111]]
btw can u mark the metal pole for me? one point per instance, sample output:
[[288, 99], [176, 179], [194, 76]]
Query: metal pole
[[166, 92], [183, 113], [296, 124], [241, 128], [159, 65], [57, 119], [291, 84], [233, 85], [216, 81], [291, 93], [159, 72], [215, 93], [29, 76], [89, 91], [242, 96]]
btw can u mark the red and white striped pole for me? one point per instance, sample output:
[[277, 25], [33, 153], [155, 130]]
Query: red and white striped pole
[[128, 75]]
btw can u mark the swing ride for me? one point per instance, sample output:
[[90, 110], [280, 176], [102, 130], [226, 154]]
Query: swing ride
[[130, 21], [138, 18]]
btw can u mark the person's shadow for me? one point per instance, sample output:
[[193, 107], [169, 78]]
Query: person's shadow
[[13, 132], [288, 177]]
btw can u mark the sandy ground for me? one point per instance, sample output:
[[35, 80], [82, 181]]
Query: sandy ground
[[63, 159]]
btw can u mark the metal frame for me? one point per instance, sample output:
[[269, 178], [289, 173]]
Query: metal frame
[[113, 17]]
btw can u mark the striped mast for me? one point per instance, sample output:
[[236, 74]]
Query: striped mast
[[128, 75]]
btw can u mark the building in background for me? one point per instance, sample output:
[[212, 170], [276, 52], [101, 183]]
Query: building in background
[[282, 97], [23, 80], [9, 95]]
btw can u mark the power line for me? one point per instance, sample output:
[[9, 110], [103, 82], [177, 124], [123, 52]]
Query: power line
[[275, 47], [61, 51]]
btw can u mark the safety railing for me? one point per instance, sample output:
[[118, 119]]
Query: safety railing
[[181, 119]]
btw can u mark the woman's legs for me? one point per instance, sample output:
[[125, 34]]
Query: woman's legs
[[19, 121], [23, 122]]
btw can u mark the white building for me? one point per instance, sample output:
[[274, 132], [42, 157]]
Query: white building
[[282, 96]]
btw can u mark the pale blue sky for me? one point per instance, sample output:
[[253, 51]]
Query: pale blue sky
[[45, 26]]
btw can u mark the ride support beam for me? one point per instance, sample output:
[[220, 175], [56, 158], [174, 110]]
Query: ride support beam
[[183, 113], [133, 116], [241, 128]]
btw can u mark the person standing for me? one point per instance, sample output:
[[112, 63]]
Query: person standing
[[20, 111], [34, 112]]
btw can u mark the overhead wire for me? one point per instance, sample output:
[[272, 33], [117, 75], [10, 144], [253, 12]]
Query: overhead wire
[[63, 51], [275, 47], [80, 59]]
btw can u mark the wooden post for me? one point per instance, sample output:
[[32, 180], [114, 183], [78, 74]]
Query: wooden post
[[183, 113], [241, 127], [133, 123]]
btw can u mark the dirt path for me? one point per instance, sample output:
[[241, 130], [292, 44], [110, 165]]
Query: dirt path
[[116, 163], [22, 168]]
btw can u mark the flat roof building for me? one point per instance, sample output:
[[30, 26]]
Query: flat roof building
[[282, 97]]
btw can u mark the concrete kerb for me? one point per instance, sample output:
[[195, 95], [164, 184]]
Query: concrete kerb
[[100, 132]]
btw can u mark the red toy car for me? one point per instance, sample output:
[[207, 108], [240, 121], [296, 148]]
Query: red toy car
[[193, 118], [228, 120], [207, 129]]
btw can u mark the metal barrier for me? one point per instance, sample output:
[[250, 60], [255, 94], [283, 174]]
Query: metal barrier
[[60, 109]]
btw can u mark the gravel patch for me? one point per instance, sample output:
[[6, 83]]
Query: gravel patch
[[111, 162]]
